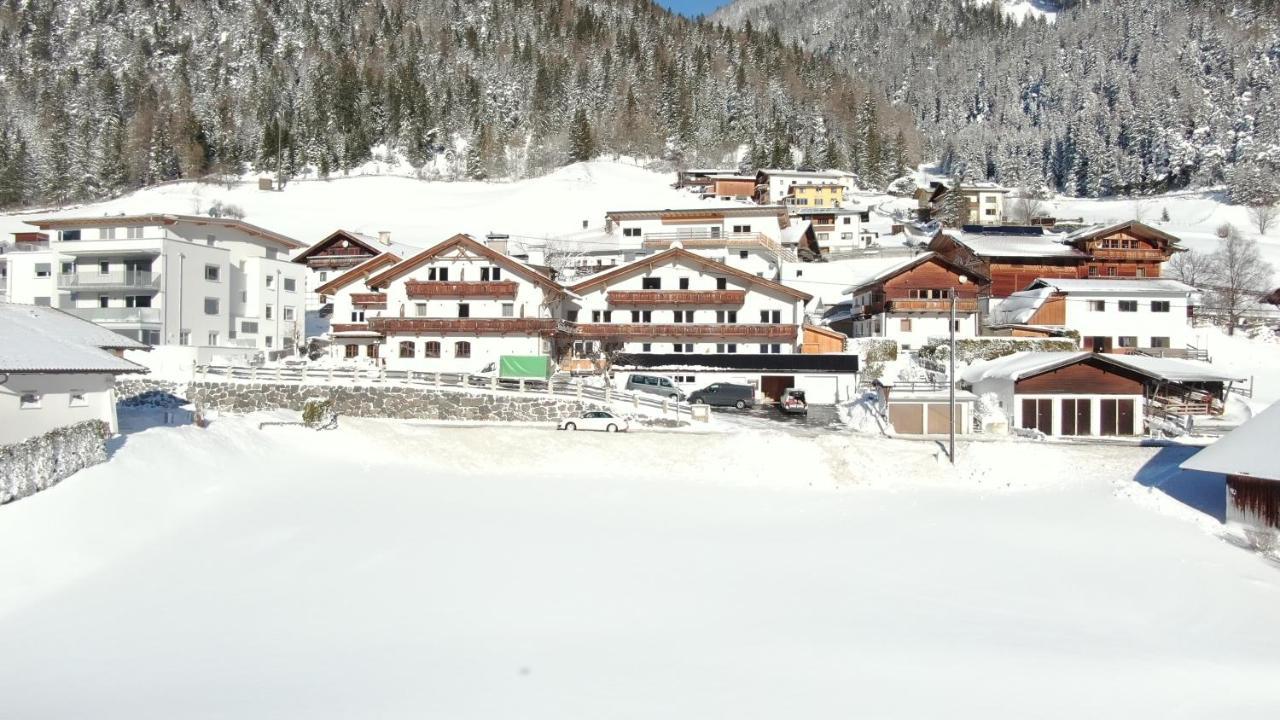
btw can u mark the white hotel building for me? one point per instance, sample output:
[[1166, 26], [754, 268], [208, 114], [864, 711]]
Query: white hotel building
[[164, 279]]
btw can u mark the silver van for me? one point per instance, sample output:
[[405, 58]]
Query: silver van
[[655, 384]]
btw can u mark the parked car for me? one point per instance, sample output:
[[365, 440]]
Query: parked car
[[602, 420], [655, 384], [725, 395], [793, 402]]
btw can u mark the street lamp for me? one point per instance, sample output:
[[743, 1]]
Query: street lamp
[[951, 377]]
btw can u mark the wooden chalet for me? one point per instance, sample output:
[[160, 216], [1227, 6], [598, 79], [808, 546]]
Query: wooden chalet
[[1128, 250], [1247, 457], [341, 250]]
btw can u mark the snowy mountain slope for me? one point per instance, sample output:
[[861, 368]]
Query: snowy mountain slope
[[415, 212]]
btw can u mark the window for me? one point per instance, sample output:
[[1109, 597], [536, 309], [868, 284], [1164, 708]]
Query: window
[[683, 316], [1093, 271], [771, 316], [107, 234], [774, 349], [1128, 306], [722, 284], [104, 267], [357, 316], [43, 270], [726, 316], [184, 337], [573, 316], [684, 283], [508, 310], [70, 235], [288, 313], [957, 324], [990, 211], [497, 273], [641, 316], [726, 347], [462, 349], [596, 315], [1111, 271], [271, 280], [351, 351], [904, 325], [464, 310], [104, 301], [1140, 272], [631, 232], [213, 339], [742, 228], [646, 347], [134, 233], [249, 327], [431, 349], [210, 240], [682, 347], [1127, 341], [1159, 306], [244, 296], [29, 400], [213, 273], [1097, 305], [290, 285], [68, 268], [269, 342], [270, 312], [744, 254], [651, 283], [846, 236], [77, 398], [324, 275], [1160, 342], [439, 274], [210, 306], [406, 348], [847, 220]]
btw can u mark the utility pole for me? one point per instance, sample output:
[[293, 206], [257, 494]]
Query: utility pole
[[951, 376]]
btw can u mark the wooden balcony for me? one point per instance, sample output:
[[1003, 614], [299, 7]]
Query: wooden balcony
[[501, 289], [467, 326], [668, 298], [349, 327], [369, 300], [907, 305], [1119, 255], [688, 331]]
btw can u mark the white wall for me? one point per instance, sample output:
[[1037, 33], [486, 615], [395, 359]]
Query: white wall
[[924, 326], [1142, 324], [55, 411]]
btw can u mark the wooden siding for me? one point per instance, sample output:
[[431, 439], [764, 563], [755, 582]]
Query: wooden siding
[[1009, 275], [690, 331], [822, 340], [734, 298], [735, 188], [466, 326], [1255, 499], [1087, 377], [369, 300], [1052, 312]]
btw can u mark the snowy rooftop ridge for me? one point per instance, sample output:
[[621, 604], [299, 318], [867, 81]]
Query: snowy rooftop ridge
[[65, 326], [1128, 286], [1247, 450], [28, 345], [995, 244], [1027, 363]]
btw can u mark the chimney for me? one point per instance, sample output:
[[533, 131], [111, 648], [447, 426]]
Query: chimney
[[384, 237]]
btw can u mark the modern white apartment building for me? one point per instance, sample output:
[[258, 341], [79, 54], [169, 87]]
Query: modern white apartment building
[[164, 279], [774, 185]]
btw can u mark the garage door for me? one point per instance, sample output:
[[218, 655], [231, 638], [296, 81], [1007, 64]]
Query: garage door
[[907, 418], [773, 385], [819, 389], [937, 417]]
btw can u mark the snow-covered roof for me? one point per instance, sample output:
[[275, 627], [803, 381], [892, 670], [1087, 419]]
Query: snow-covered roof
[[886, 273], [1018, 365], [31, 347], [808, 173], [995, 244], [1102, 229], [1124, 286], [1248, 450], [398, 248], [1177, 369], [1018, 308], [792, 233], [65, 326]]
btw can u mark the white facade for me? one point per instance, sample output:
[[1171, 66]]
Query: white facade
[[777, 182], [32, 404], [163, 280], [764, 304], [914, 330], [1144, 313]]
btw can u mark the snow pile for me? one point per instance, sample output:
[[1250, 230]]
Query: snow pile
[[865, 414]]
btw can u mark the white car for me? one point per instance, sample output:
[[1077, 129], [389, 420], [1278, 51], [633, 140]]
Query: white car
[[602, 420]]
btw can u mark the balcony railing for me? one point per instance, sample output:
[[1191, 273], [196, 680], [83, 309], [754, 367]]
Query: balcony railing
[[125, 315], [131, 279], [482, 288], [963, 305], [487, 326], [1139, 255], [707, 240], [348, 327], [677, 297], [369, 300], [687, 330]]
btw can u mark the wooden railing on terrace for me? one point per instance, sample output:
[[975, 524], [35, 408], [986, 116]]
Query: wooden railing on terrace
[[677, 297], [470, 288], [688, 330]]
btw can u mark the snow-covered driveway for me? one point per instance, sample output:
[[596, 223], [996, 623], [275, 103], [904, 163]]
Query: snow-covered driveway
[[395, 571]]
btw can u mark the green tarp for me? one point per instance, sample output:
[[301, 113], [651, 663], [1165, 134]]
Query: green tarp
[[524, 366]]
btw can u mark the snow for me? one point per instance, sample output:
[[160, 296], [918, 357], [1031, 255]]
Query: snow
[[233, 572], [1017, 365], [1129, 286], [1247, 450], [1019, 307], [1257, 358], [827, 281], [32, 342], [65, 326], [415, 212], [1000, 245], [1020, 10], [1176, 369]]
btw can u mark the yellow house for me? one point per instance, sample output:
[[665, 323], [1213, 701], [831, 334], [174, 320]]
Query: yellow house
[[815, 195]]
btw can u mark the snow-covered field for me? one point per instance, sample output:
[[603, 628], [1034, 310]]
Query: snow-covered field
[[388, 569], [416, 212]]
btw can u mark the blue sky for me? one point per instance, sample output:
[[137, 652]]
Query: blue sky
[[693, 7]]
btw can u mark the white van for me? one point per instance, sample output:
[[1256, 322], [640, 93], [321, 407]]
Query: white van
[[654, 384]]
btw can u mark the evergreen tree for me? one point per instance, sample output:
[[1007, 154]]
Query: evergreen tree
[[582, 141]]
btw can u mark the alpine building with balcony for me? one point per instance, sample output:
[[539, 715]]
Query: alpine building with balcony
[[912, 302]]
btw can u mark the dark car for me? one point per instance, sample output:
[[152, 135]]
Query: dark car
[[725, 395]]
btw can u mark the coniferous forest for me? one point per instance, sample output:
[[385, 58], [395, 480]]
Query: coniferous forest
[[100, 96]]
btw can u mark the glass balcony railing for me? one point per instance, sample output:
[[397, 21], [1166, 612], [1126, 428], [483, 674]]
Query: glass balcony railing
[[131, 279], [144, 315]]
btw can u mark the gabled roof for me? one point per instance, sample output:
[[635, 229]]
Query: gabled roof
[[895, 270], [679, 253], [359, 272], [709, 211], [1029, 363], [1138, 227], [372, 244], [469, 243], [991, 242], [28, 345], [65, 326], [1248, 450], [165, 219]]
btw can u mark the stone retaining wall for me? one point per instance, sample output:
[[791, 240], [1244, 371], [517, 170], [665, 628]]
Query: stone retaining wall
[[43, 461]]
